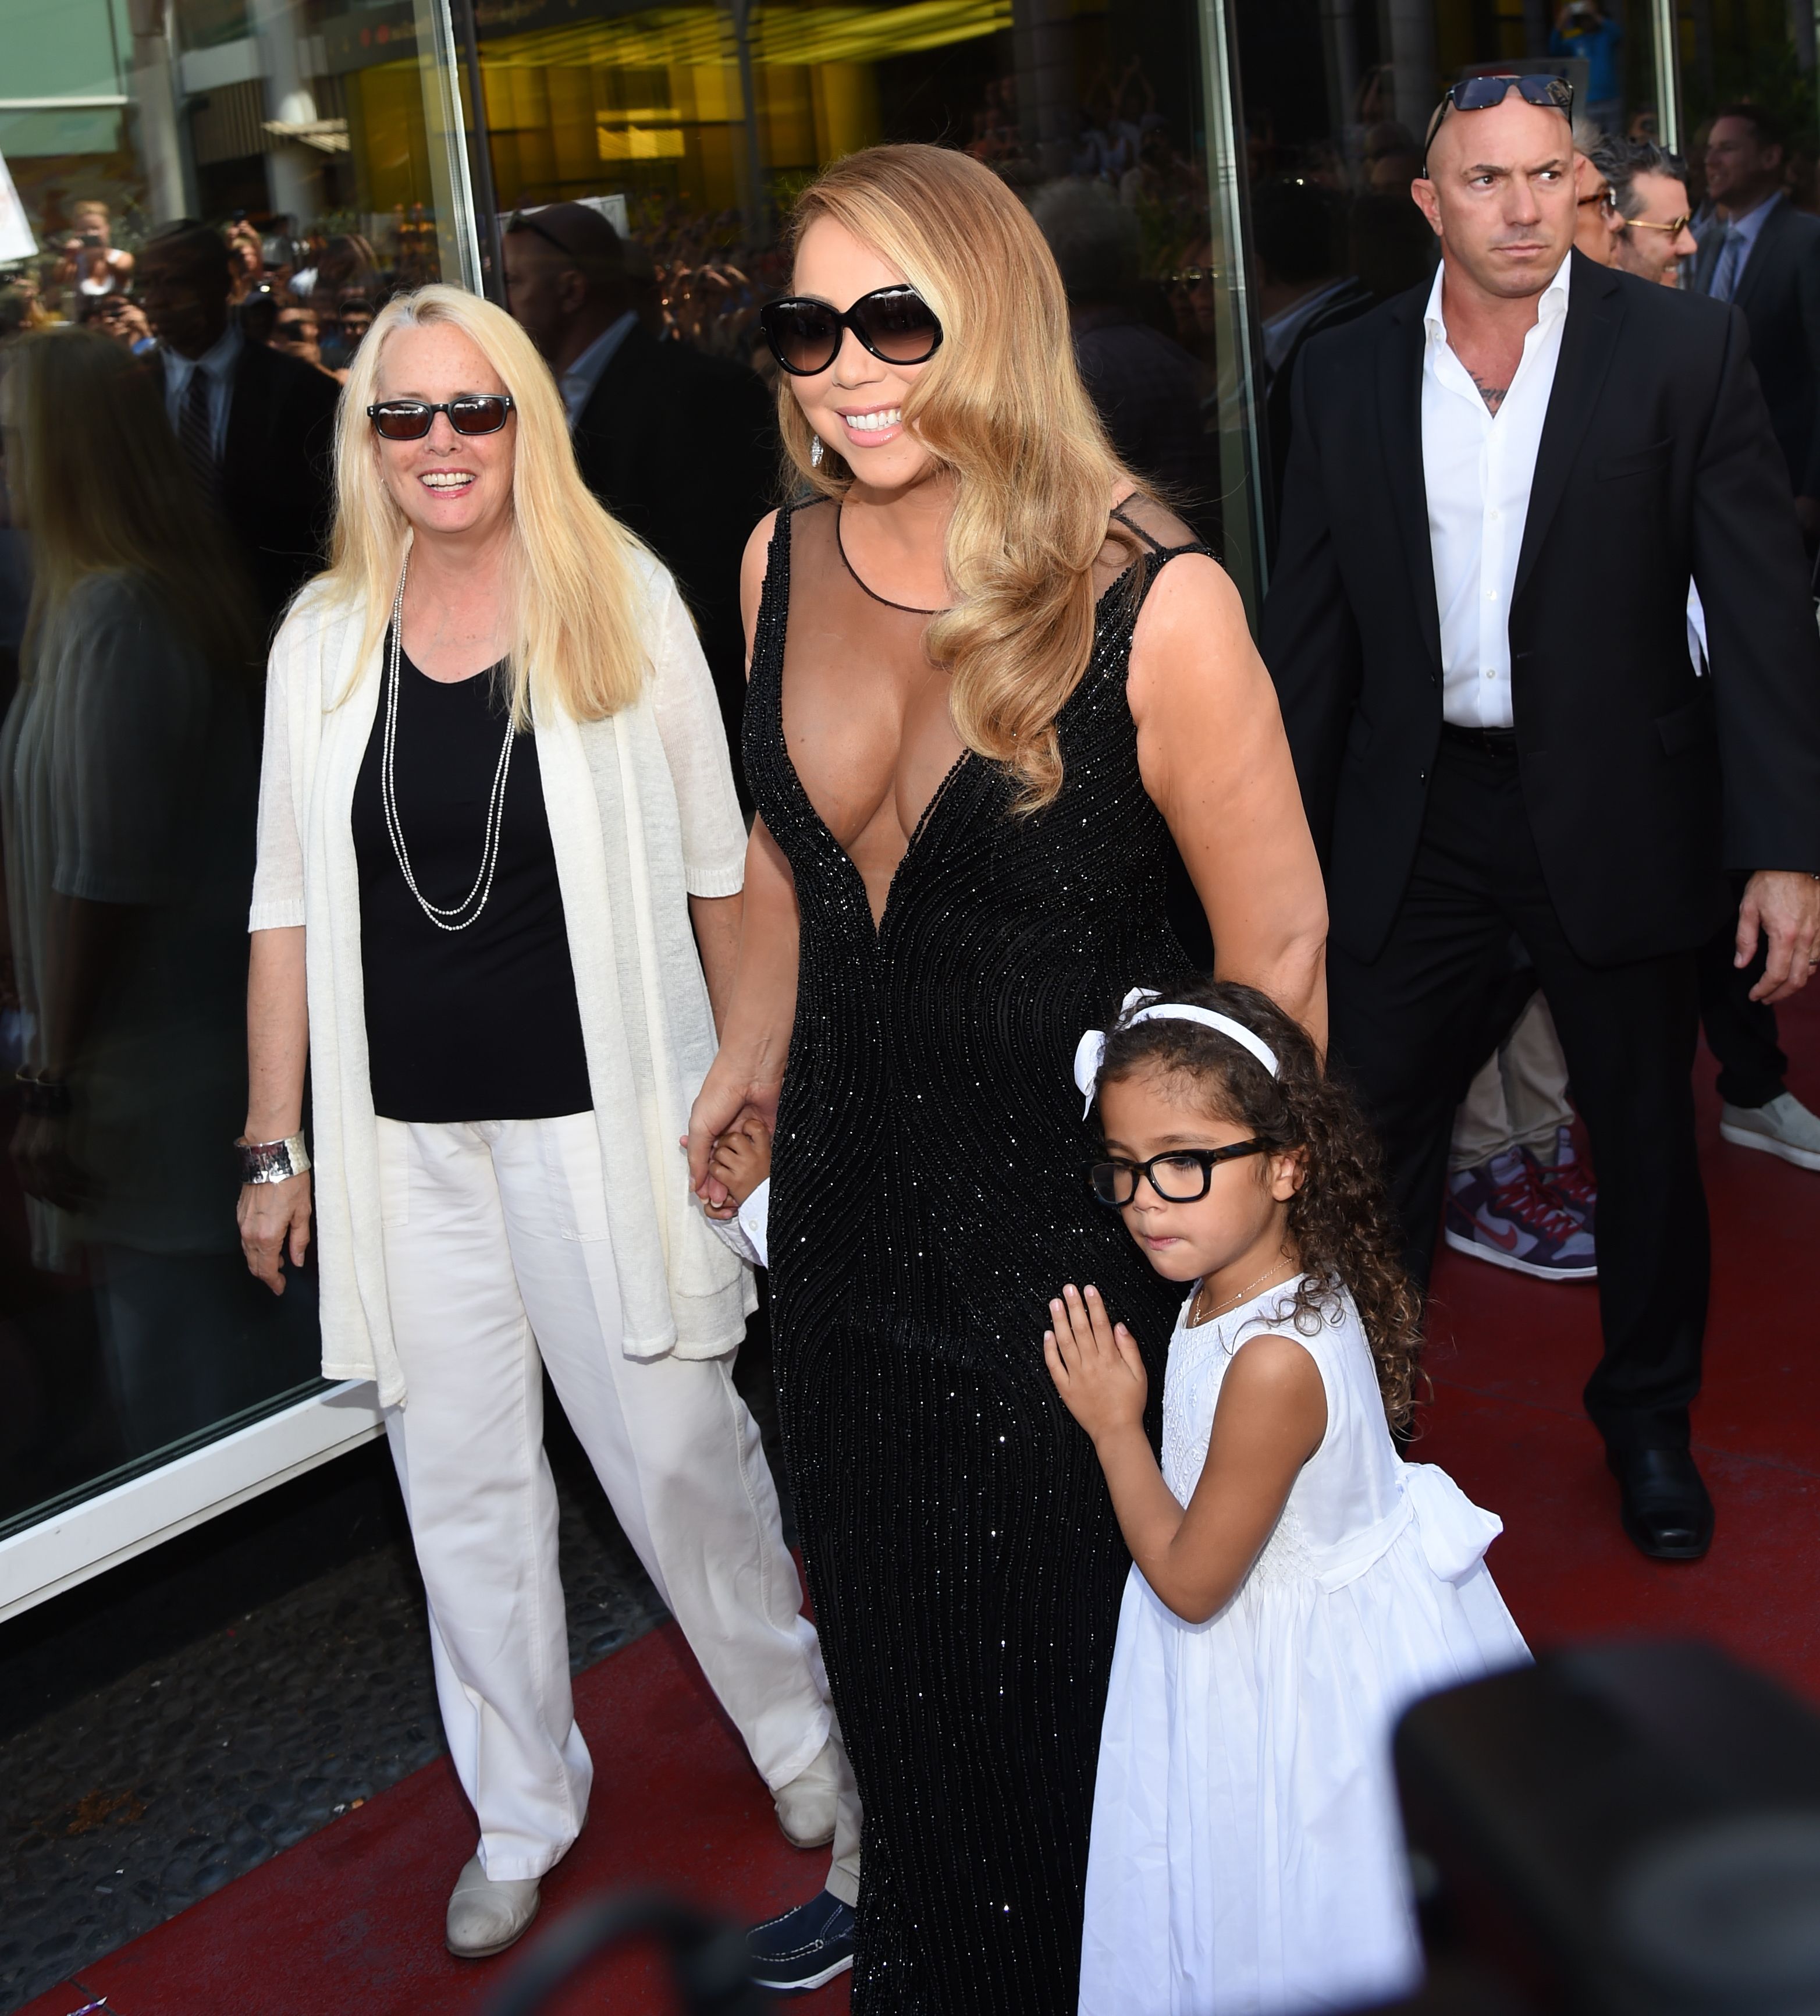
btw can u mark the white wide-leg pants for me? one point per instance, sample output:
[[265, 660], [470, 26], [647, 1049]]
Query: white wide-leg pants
[[497, 1262]]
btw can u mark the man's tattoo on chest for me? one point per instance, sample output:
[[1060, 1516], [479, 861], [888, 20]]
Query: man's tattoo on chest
[[1493, 395]]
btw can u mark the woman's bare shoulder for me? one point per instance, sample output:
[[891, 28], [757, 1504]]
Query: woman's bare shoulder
[[757, 555]]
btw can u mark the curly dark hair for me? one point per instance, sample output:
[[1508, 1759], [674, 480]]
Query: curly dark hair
[[1340, 1218]]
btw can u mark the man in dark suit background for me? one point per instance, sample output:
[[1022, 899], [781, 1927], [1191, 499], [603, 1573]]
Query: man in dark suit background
[[257, 427], [1477, 627], [679, 446], [1297, 231], [1143, 383], [1766, 257]]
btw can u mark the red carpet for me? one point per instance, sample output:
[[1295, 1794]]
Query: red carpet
[[1510, 1356], [351, 1919]]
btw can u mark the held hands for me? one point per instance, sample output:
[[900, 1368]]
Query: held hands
[[1095, 1364], [742, 1157], [725, 1102], [1784, 906], [275, 1222]]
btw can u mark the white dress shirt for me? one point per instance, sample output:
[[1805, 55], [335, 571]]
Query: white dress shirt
[[576, 384], [217, 365], [1479, 465]]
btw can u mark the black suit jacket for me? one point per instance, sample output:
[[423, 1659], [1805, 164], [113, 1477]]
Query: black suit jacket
[[683, 448], [1656, 456], [1351, 301], [1779, 292], [278, 472]]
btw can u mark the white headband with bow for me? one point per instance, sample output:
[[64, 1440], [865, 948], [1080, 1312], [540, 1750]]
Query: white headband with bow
[[1090, 1053]]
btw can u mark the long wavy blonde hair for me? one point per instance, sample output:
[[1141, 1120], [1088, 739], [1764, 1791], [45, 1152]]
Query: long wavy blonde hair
[[99, 480], [576, 633], [1002, 406]]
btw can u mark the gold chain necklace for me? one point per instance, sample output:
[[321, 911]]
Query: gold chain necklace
[[1226, 1308]]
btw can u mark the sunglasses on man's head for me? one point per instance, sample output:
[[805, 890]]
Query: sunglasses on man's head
[[1479, 94], [896, 324], [468, 413]]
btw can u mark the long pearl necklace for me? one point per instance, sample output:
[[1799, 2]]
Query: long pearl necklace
[[475, 901]]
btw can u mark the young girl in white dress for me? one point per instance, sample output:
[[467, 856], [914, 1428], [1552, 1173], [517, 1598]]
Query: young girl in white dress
[[1296, 1584]]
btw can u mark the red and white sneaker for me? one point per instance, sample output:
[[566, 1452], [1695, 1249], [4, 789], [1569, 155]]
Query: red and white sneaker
[[1503, 1213]]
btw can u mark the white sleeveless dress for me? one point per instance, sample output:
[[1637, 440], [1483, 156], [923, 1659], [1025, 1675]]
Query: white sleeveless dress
[[1247, 1854]]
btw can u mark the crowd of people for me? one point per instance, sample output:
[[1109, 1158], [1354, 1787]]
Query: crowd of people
[[652, 881]]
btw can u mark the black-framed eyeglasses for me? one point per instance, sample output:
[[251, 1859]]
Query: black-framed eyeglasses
[[468, 413], [1183, 1175], [1479, 94], [896, 324]]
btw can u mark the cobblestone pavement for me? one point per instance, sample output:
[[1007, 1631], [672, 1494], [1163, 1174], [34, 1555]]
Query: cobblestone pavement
[[122, 1805]]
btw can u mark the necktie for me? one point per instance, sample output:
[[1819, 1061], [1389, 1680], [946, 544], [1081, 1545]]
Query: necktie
[[197, 431], [1731, 258]]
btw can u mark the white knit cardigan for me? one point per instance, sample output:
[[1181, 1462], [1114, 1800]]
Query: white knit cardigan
[[642, 816]]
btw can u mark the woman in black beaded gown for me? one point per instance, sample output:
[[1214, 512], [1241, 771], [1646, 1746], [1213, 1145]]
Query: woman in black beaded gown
[[983, 703]]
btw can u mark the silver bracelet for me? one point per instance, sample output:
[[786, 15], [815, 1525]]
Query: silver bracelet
[[272, 1161]]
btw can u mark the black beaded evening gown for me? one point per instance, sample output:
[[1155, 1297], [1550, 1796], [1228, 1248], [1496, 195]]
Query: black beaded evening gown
[[929, 1195]]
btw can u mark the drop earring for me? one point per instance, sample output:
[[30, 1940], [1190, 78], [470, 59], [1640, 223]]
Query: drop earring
[[815, 451]]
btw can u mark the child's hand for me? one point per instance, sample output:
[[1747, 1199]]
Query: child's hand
[[1094, 1363], [742, 1157]]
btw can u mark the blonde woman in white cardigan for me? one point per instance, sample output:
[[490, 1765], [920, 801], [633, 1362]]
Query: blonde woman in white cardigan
[[495, 800]]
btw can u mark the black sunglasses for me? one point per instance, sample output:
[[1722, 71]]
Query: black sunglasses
[[468, 413], [896, 324], [1184, 1176], [1479, 94]]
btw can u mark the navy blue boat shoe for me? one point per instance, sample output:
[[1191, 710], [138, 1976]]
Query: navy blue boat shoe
[[806, 1947]]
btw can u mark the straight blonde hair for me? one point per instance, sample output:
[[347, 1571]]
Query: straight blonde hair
[[1002, 406], [576, 635], [103, 487]]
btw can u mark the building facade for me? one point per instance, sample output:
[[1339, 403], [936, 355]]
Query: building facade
[[1232, 162]]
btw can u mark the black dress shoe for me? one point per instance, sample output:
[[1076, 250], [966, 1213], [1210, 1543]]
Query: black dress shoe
[[1665, 1507]]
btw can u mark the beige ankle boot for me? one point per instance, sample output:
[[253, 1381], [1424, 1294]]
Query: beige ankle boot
[[485, 1917], [805, 1806]]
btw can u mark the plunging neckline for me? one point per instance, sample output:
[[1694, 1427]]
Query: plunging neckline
[[1149, 551]]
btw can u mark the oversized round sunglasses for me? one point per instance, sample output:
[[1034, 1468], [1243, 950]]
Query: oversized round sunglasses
[[468, 413], [896, 324], [1183, 1175]]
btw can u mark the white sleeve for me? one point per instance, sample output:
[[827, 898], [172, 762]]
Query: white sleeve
[[278, 874], [694, 745], [755, 1216]]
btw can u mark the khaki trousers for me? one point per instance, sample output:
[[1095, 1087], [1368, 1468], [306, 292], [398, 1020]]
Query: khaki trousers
[[1519, 1098]]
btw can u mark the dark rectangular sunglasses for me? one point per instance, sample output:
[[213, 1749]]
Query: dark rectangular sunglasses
[[1479, 94], [896, 324], [468, 413]]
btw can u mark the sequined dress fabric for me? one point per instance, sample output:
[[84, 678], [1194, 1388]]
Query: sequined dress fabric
[[929, 1195]]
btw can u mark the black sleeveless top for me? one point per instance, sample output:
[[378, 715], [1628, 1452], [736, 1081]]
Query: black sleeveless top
[[481, 1024], [929, 1196]]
